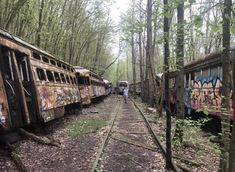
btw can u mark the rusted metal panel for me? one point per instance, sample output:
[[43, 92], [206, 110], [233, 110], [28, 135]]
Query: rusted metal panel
[[10, 44], [85, 96], [54, 96], [4, 109]]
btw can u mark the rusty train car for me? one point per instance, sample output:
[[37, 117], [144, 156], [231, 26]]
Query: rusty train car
[[38, 87], [203, 85], [34, 85], [91, 85], [97, 86], [84, 84]]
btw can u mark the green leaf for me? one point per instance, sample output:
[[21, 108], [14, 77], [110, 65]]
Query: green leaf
[[233, 30], [215, 28], [198, 21]]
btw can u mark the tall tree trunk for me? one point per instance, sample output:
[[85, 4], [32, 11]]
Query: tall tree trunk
[[226, 84], [166, 85], [40, 24], [141, 66], [180, 68], [232, 142], [149, 55], [133, 63]]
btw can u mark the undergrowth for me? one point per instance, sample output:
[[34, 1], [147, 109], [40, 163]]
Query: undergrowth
[[85, 126]]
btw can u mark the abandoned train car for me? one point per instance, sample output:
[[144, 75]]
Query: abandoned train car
[[84, 84], [97, 85], [34, 85], [203, 84], [91, 85]]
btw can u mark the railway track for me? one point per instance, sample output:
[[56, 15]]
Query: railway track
[[130, 143]]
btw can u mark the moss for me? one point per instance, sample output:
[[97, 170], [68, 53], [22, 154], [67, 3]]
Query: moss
[[84, 126]]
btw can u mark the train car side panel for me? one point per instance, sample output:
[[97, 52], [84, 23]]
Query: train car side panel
[[4, 109]]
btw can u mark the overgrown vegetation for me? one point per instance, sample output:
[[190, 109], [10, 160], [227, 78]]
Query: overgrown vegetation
[[85, 126]]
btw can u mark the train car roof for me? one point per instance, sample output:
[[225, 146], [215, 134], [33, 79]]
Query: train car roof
[[106, 81], [212, 59], [82, 70], [23, 43], [123, 81]]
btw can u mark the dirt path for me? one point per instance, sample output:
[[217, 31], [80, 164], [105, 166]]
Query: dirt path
[[130, 146], [74, 154]]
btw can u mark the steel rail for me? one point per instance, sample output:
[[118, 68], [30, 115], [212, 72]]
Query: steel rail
[[105, 141], [154, 136]]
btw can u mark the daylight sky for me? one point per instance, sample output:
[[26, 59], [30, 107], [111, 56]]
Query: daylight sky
[[117, 8]]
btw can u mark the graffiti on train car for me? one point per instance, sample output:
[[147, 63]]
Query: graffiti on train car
[[206, 92], [52, 97]]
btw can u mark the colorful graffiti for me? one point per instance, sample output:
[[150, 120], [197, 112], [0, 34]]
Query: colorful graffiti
[[206, 92], [53, 97]]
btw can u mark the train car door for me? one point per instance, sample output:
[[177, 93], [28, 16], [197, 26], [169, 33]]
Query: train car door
[[27, 83], [14, 88]]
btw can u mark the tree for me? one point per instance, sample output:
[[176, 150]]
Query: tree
[[232, 142], [150, 71], [226, 84], [166, 87], [180, 70]]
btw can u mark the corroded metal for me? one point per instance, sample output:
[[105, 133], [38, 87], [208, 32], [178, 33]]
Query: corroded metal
[[37, 99]]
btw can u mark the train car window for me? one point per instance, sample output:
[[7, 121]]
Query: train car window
[[41, 74], [67, 79], [50, 76], [7, 64], [53, 62], [205, 72], [59, 64], [36, 56], [71, 79], [214, 71], [75, 81], [81, 80], [45, 59], [62, 77], [197, 74], [57, 77], [64, 67], [24, 69]]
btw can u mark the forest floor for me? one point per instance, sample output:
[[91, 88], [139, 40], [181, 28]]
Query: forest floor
[[81, 135], [196, 152]]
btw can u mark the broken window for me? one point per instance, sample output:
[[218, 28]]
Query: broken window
[[67, 79], [45, 59], [64, 67], [62, 77], [57, 77], [36, 56], [41, 74], [71, 79], [53, 62], [50, 76], [58, 64], [75, 81]]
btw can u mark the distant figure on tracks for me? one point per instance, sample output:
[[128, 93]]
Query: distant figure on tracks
[[125, 94]]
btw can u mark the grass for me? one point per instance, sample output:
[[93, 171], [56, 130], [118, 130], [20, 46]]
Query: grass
[[85, 126]]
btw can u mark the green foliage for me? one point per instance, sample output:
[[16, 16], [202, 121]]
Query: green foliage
[[198, 21], [204, 109], [84, 126]]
